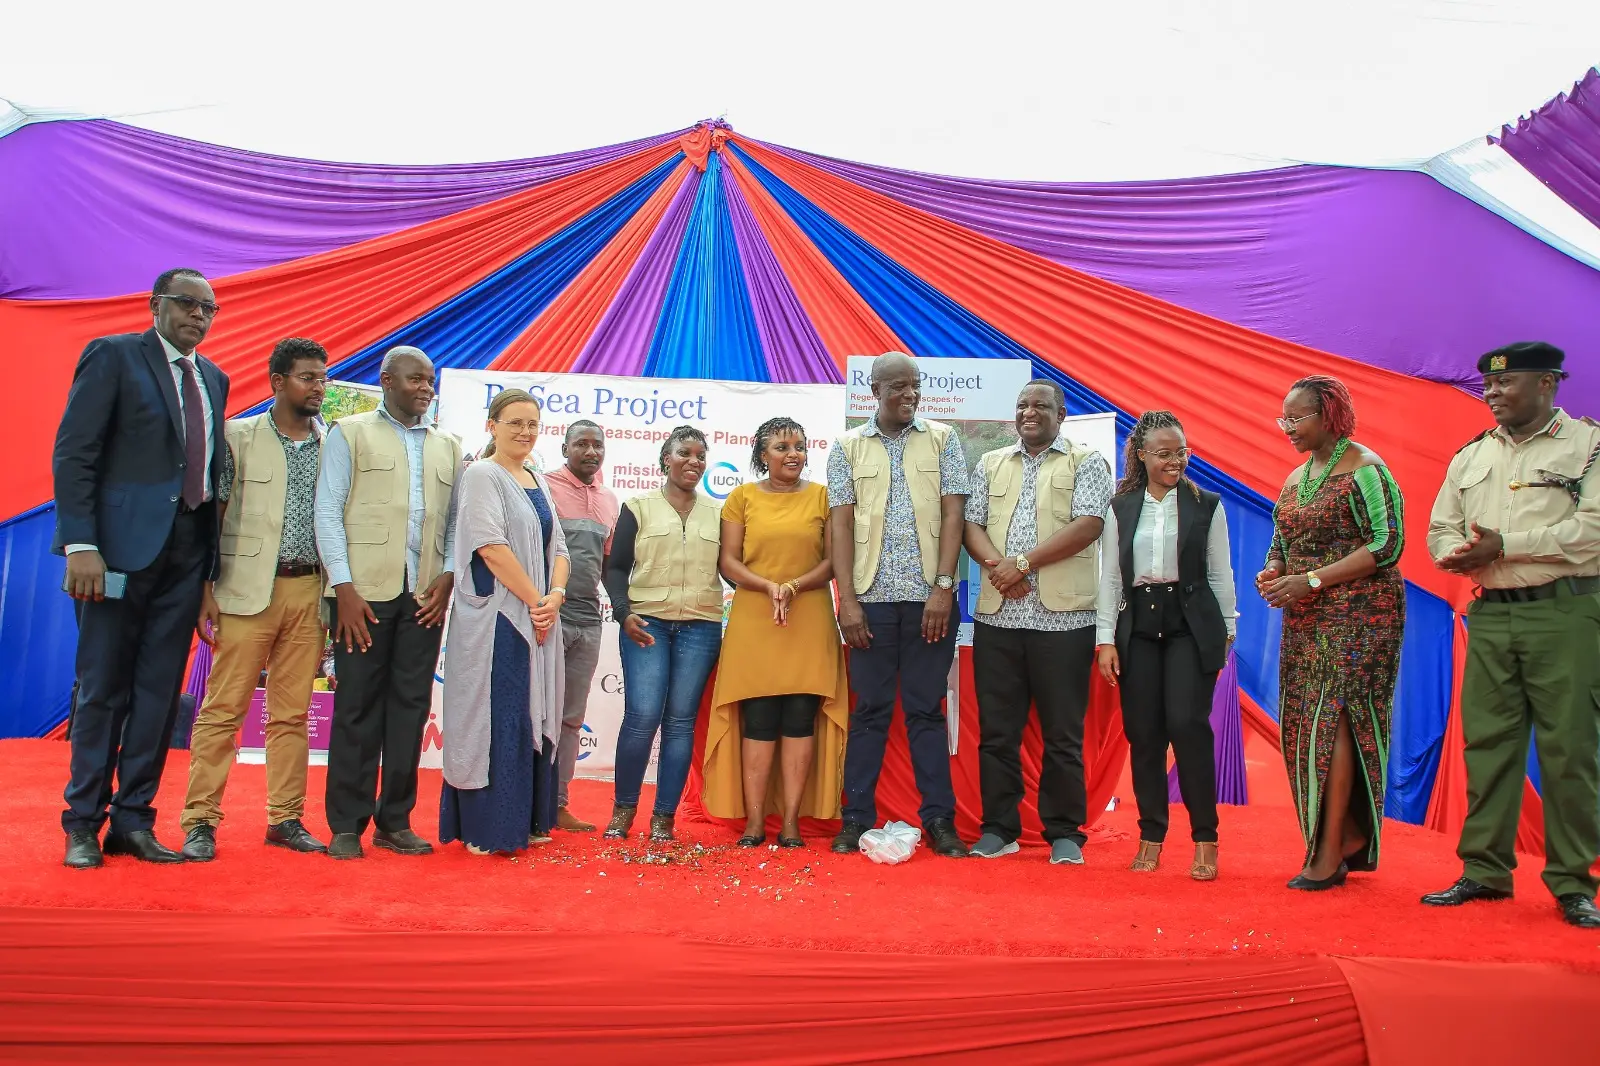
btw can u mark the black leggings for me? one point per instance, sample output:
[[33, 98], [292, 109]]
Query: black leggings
[[769, 717]]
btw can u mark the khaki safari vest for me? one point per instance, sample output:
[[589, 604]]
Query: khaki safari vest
[[252, 526], [377, 513], [869, 470], [675, 575], [1071, 583]]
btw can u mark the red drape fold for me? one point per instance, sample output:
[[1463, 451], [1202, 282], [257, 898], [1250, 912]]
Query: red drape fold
[[1105, 751]]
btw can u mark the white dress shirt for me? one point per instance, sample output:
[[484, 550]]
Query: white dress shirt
[[173, 360], [1155, 561]]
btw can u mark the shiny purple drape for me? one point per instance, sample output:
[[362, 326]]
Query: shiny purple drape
[[1560, 145], [621, 341], [1389, 268], [140, 202], [793, 349], [1228, 728]]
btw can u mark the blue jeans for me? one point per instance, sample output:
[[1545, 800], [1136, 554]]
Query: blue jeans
[[661, 689]]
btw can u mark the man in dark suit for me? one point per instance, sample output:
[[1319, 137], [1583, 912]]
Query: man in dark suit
[[136, 465]]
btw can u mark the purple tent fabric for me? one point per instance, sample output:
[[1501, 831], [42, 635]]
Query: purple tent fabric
[[621, 342], [1229, 730], [1389, 268], [794, 351], [1560, 145], [220, 210]]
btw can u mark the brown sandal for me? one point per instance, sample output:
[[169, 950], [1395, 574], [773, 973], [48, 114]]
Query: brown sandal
[[621, 822], [1148, 859], [1205, 861]]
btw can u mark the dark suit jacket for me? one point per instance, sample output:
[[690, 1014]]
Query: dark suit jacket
[[119, 458], [1200, 608]]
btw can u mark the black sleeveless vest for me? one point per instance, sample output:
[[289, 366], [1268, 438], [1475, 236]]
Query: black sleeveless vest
[[1200, 608]]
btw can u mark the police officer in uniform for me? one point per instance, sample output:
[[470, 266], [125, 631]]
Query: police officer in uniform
[[1519, 513]]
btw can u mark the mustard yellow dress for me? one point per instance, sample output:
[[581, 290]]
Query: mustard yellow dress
[[783, 539]]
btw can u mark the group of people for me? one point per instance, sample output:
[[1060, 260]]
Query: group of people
[[272, 531]]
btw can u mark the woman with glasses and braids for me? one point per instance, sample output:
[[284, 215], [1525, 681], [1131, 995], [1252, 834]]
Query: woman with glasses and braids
[[782, 661], [661, 578], [1338, 535], [1166, 622]]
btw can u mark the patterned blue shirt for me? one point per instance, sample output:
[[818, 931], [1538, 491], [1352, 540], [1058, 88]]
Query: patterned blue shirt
[[900, 576], [1091, 495]]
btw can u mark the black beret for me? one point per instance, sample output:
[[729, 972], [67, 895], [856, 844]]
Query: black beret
[[1532, 356]]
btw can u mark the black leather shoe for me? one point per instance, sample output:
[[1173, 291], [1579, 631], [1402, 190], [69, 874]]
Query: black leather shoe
[[346, 846], [402, 842], [943, 840], [83, 850], [1302, 883], [1579, 910], [142, 845], [201, 843], [848, 842], [294, 836], [1465, 890]]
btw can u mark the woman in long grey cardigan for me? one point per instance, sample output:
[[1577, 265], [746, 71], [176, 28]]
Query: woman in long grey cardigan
[[503, 670]]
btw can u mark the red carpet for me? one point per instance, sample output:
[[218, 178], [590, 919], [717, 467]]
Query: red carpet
[[250, 928]]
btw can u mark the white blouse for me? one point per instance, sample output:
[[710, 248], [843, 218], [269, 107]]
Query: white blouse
[[1155, 561]]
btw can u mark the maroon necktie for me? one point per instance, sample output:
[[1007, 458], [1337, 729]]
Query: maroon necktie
[[194, 439]]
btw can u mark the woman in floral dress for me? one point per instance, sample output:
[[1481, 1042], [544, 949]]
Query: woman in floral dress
[[1339, 533]]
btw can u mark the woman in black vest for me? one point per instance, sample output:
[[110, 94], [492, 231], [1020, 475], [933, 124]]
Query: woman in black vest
[[1166, 618]]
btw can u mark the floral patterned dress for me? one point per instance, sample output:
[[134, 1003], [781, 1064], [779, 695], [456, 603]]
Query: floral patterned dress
[[1341, 645]]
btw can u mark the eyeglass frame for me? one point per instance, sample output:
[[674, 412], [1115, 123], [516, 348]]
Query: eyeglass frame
[[516, 422], [206, 307], [1288, 424], [1166, 455]]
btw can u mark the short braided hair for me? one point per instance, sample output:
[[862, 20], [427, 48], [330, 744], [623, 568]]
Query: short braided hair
[[1135, 478], [1333, 402], [764, 434], [682, 433]]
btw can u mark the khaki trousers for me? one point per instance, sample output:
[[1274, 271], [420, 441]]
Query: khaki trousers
[[287, 640]]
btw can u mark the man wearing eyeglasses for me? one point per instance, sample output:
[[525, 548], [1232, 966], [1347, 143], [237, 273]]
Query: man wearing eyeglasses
[[386, 533], [136, 473], [265, 608]]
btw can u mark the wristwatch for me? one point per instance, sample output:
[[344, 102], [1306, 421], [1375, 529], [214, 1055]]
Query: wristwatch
[[1313, 580], [944, 581], [1022, 564]]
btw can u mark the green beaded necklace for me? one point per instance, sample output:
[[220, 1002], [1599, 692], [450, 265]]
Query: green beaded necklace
[[1308, 488]]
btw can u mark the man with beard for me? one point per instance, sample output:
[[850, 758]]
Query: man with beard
[[1519, 514], [896, 487], [264, 610], [588, 514], [136, 464], [1044, 498], [386, 532]]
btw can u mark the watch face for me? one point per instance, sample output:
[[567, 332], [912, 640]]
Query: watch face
[[944, 582]]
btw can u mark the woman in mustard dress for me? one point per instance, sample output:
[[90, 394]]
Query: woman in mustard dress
[[782, 671]]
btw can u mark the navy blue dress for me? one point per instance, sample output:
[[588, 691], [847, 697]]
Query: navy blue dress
[[520, 798]]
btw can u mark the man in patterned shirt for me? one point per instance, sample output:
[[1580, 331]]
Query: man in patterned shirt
[[895, 491], [264, 608], [1033, 642]]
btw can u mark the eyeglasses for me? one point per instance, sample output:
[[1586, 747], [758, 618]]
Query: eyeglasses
[[189, 304], [1287, 424], [310, 380], [517, 425], [1167, 455]]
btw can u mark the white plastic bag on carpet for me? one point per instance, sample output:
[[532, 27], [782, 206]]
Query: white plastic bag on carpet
[[892, 844]]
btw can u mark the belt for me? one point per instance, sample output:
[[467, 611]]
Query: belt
[[1566, 586], [298, 569]]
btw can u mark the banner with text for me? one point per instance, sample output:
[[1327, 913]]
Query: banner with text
[[637, 415], [978, 397]]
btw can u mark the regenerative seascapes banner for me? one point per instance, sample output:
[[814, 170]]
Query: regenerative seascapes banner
[[637, 415], [978, 396]]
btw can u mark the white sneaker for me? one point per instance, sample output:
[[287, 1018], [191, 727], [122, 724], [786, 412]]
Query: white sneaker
[[990, 846]]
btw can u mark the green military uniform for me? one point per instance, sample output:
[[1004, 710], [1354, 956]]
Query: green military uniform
[[1533, 647]]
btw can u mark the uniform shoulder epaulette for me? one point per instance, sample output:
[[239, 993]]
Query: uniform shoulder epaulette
[[1473, 441]]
